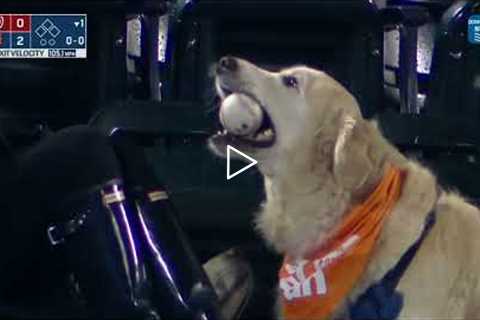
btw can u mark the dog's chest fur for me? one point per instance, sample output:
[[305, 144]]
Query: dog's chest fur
[[289, 225], [294, 221]]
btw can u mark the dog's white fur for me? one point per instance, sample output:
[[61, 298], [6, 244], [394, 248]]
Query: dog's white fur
[[328, 158]]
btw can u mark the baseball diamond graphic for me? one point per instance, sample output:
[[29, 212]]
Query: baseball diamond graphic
[[47, 27]]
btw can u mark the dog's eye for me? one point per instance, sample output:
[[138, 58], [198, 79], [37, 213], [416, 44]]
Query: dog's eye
[[290, 81]]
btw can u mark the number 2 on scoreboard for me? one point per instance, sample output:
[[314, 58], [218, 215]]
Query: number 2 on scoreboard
[[20, 40]]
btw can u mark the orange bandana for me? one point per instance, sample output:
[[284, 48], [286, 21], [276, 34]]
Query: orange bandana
[[312, 288]]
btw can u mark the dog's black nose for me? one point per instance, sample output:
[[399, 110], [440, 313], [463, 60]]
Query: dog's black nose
[[227, 64]]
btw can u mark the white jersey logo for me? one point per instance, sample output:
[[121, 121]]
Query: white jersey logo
[[298, 285], [306, 278]]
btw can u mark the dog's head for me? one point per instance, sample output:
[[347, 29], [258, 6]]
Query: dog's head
[[308, 117]]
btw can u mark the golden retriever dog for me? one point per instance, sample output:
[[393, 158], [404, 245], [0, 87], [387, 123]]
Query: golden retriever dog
[[320, 158]]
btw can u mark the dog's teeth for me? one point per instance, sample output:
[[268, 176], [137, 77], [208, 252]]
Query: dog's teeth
[[265, 135], [262, 136]]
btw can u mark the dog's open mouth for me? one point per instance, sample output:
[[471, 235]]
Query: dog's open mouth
[[263, 137]]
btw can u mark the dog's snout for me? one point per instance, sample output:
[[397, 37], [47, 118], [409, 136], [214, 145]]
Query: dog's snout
[[227, 64]]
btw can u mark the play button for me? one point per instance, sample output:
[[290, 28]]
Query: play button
[[251, 164]]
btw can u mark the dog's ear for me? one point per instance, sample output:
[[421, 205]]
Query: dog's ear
[[351, 164]]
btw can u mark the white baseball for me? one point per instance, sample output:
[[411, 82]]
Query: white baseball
[[240, 114]]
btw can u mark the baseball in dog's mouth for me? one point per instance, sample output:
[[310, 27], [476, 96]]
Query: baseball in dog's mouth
[[262, 137]]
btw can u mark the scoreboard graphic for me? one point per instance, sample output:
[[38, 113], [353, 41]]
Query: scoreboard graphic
[[37, 36]]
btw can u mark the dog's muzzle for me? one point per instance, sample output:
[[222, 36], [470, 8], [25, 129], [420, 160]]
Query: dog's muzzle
[[244, 118]]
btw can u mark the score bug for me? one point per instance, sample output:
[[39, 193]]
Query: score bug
[[55, 35]]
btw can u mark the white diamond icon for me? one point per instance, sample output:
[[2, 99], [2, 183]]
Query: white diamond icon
[[40, 31], [251, 164], [47, 24], [54, 31]]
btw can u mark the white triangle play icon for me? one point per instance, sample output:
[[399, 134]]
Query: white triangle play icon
[[251, 164]]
